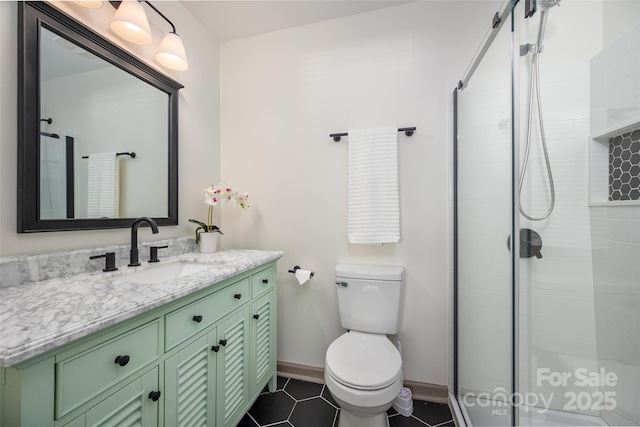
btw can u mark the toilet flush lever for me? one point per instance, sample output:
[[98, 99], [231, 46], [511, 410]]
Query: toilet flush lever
[[343, 284]]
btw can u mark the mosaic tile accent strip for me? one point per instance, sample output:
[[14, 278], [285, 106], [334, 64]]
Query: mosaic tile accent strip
[[624, 166]]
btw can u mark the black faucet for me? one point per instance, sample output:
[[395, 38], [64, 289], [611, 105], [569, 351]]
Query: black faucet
[[133, 252]]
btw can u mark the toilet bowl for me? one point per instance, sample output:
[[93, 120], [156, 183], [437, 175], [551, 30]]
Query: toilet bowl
[[364, 375]]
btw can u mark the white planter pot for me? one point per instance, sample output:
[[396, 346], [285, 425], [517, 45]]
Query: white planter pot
[[208, 242]]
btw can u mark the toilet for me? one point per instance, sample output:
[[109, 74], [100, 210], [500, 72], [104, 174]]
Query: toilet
[[363, 369]]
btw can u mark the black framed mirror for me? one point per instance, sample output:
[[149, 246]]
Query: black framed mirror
[[97, 129]]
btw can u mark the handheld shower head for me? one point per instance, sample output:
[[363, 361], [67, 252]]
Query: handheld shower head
[[546, 5]]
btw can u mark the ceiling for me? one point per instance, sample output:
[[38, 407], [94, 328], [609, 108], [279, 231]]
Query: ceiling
[[230, 20]]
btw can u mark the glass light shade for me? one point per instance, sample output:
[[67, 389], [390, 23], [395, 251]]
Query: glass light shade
[[91, 4], [171, 53], [131, 23]]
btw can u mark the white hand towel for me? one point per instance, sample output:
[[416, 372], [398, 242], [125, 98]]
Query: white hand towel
[[374, 199], [103, 199]]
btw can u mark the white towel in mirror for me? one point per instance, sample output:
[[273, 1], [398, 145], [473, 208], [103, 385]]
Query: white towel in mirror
[[103, 199]]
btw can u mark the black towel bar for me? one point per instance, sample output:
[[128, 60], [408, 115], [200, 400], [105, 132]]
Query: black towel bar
[[338, 136], [131, 154]]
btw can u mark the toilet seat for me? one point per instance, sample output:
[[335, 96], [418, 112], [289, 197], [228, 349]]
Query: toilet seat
[[363, 361]]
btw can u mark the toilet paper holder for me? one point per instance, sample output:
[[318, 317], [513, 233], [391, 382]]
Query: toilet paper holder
[[296, 268]]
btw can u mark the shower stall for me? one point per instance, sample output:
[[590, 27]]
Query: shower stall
[[547, 218]]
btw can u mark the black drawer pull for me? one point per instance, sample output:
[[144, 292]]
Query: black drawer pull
[[215, 348], [265, 281], [256, 316], [223, 342], [237, 296], [122, 360], [197, 319], [155, 395]]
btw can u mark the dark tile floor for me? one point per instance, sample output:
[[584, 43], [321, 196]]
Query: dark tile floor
[[303, 404]]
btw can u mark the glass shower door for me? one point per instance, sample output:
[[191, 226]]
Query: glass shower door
[[484, 223]]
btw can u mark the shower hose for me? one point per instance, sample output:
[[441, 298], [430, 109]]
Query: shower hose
[[534, 90]]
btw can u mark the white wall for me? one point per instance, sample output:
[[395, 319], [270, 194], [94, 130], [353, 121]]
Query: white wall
[[199, 146], [281, 95]]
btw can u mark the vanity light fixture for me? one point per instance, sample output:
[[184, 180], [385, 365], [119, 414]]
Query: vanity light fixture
[[171, 52], [90, 4], [131, 24]]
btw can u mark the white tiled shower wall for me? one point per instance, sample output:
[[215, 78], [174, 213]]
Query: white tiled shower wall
[[615, 84], [615, 229], [615, 234]]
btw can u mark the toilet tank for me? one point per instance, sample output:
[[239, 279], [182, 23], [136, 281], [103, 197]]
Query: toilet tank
[[369, 297]]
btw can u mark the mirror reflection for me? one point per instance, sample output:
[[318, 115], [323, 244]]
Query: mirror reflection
[[103, 137]]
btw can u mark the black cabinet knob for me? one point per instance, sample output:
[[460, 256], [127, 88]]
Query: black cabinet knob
[[256, 316], [122, 360], [215, 348], [237, 296], [223, 342], [265, 281], [197, 319], [155, 395]]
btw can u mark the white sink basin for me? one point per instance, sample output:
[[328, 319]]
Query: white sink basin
[[163, 272]]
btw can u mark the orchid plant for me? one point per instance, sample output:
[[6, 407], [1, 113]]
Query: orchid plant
[[212, 196]]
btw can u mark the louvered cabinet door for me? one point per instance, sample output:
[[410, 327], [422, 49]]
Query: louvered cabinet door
[[263, 341], [130, 406], [233, 368], [190, 384]]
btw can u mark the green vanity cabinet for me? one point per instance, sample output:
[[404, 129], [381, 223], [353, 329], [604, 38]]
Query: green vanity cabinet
[[201, 360]]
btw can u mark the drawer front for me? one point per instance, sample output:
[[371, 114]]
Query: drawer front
[[188, 321], [84, 376], [263, 281]]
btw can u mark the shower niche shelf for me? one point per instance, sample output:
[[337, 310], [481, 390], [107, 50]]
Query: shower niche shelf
[[614, 166]]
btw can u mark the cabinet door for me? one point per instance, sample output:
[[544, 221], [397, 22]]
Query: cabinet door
[[130, 406], [233, 368], [263, 359], [190, 378]]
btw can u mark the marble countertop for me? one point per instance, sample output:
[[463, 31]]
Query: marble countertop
[[39, 316]]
